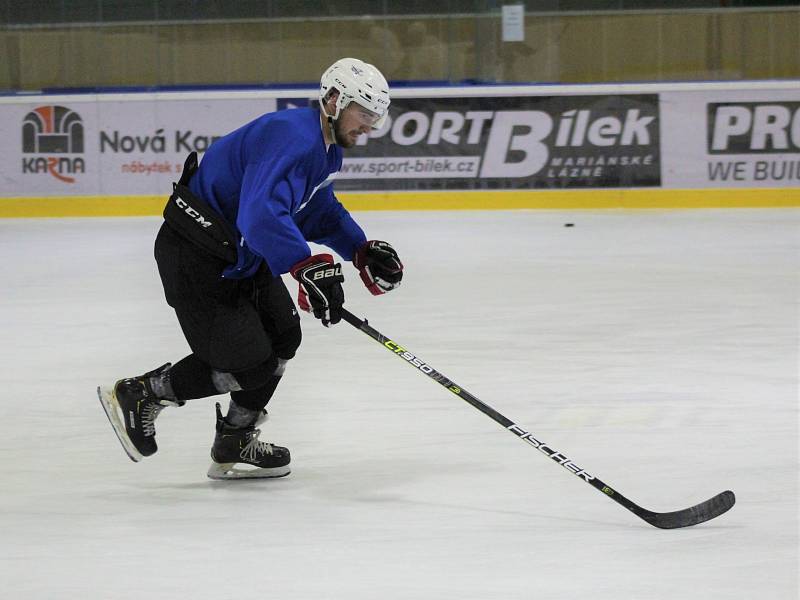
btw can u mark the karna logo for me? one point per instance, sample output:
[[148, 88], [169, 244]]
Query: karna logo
[[53, 130]]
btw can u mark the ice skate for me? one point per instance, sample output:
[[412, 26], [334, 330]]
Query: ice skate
[[237, 453], [132, 407]]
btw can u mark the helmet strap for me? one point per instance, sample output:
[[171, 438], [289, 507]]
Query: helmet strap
[[331, 119], [331, 127]]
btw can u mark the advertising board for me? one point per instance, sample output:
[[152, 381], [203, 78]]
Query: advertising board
[[579, 146]]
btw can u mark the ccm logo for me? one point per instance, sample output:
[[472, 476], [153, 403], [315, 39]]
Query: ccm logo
[[332, 272], [192, 212]]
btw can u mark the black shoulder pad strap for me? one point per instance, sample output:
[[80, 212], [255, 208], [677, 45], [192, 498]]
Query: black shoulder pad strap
[[189, 169], [196, 221]]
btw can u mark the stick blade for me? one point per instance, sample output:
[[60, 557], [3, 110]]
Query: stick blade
[[700, 513]]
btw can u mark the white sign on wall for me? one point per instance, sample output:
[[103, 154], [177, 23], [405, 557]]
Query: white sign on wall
[[513, 23]]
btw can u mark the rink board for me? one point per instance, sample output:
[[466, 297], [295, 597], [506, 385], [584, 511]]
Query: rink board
[[677, 145]]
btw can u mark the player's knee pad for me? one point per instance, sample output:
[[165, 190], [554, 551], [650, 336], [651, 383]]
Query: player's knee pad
[[287, 342], [247, 379]]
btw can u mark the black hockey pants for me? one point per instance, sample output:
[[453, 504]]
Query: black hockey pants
[[233, 326]]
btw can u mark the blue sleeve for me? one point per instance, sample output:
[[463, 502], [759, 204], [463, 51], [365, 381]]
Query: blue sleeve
[[270, 190], [327, 222]]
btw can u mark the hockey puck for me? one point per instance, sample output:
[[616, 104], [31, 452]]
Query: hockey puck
[[569, 224]]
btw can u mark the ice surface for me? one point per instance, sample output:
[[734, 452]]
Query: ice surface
[[658, 350]]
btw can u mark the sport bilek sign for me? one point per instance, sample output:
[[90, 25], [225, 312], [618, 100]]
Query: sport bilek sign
[[512, 143]]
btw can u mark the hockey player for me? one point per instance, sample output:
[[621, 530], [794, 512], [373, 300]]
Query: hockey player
[[231, 227]]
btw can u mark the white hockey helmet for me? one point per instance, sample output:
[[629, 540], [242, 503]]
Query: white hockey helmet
[[357, 82]]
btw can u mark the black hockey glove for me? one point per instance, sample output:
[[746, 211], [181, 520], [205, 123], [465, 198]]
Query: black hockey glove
[[320, 287], [379, 266]]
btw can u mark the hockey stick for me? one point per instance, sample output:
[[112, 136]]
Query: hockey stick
[[699, 513]]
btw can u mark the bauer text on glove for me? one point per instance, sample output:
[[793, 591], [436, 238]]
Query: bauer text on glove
[[320, 290]]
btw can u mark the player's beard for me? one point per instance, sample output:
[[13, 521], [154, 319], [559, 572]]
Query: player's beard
[[343, 137]]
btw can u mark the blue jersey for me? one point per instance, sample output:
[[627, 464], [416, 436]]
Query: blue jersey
[[271, 180]]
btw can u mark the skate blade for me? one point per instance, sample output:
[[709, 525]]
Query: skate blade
[[232, 471], [111, 407]]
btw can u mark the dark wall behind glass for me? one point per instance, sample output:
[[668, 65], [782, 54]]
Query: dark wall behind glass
[[77, 43], [83, 11]]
